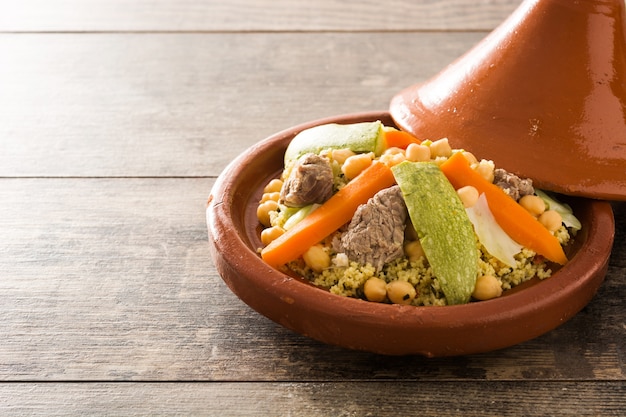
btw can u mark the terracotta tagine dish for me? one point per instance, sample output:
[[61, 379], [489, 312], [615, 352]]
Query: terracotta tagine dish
[[526, 312], [543, 96]]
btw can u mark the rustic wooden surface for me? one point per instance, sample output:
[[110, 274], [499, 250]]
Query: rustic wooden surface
[[115, 119]]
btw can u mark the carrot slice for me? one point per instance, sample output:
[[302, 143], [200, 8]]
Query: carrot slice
[[513, 218], [399, 139], [329, 217]]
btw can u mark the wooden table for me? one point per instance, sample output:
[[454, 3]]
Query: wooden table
[[115, 119]]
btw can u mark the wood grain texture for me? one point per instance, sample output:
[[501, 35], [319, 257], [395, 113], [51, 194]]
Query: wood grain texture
[[187, 104], [360, 398], [116, 117], [251, 15]]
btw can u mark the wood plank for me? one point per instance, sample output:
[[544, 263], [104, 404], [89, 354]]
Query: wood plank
[[111, 280], [251, 15], [380, 398], [618, 255], [162, 104]]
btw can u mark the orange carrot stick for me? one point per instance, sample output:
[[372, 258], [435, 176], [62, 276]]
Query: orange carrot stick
[[513, 218], [399, 139], [329, 217]]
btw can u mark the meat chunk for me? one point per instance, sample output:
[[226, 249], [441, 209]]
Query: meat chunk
[[310, 181], [513, 185], [376, 232]]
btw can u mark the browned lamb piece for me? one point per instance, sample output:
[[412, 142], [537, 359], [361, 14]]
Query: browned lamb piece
[[310, 181], [513, 185], [375, 234]]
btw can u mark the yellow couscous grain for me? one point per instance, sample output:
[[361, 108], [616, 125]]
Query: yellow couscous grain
[[348, 278]]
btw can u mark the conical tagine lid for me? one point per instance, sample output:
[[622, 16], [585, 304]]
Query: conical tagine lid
[[543, 96]]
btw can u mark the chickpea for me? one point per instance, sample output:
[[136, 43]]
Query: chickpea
[[263, 212], [340, 155], [401, 292], [393, 151], [487, 287], [439, 161], [375, 289], [270, 196], [468, 195], [270, 234], [399, 158], [413, 250], [440, 147], [486, 168], [533, 204], [316, 258], [392, 159], [551, 220], [273, 186], [470, 158], [355, 164], [417, 153]]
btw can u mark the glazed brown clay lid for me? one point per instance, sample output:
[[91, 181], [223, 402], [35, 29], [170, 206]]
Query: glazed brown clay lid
[[543, 95]]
